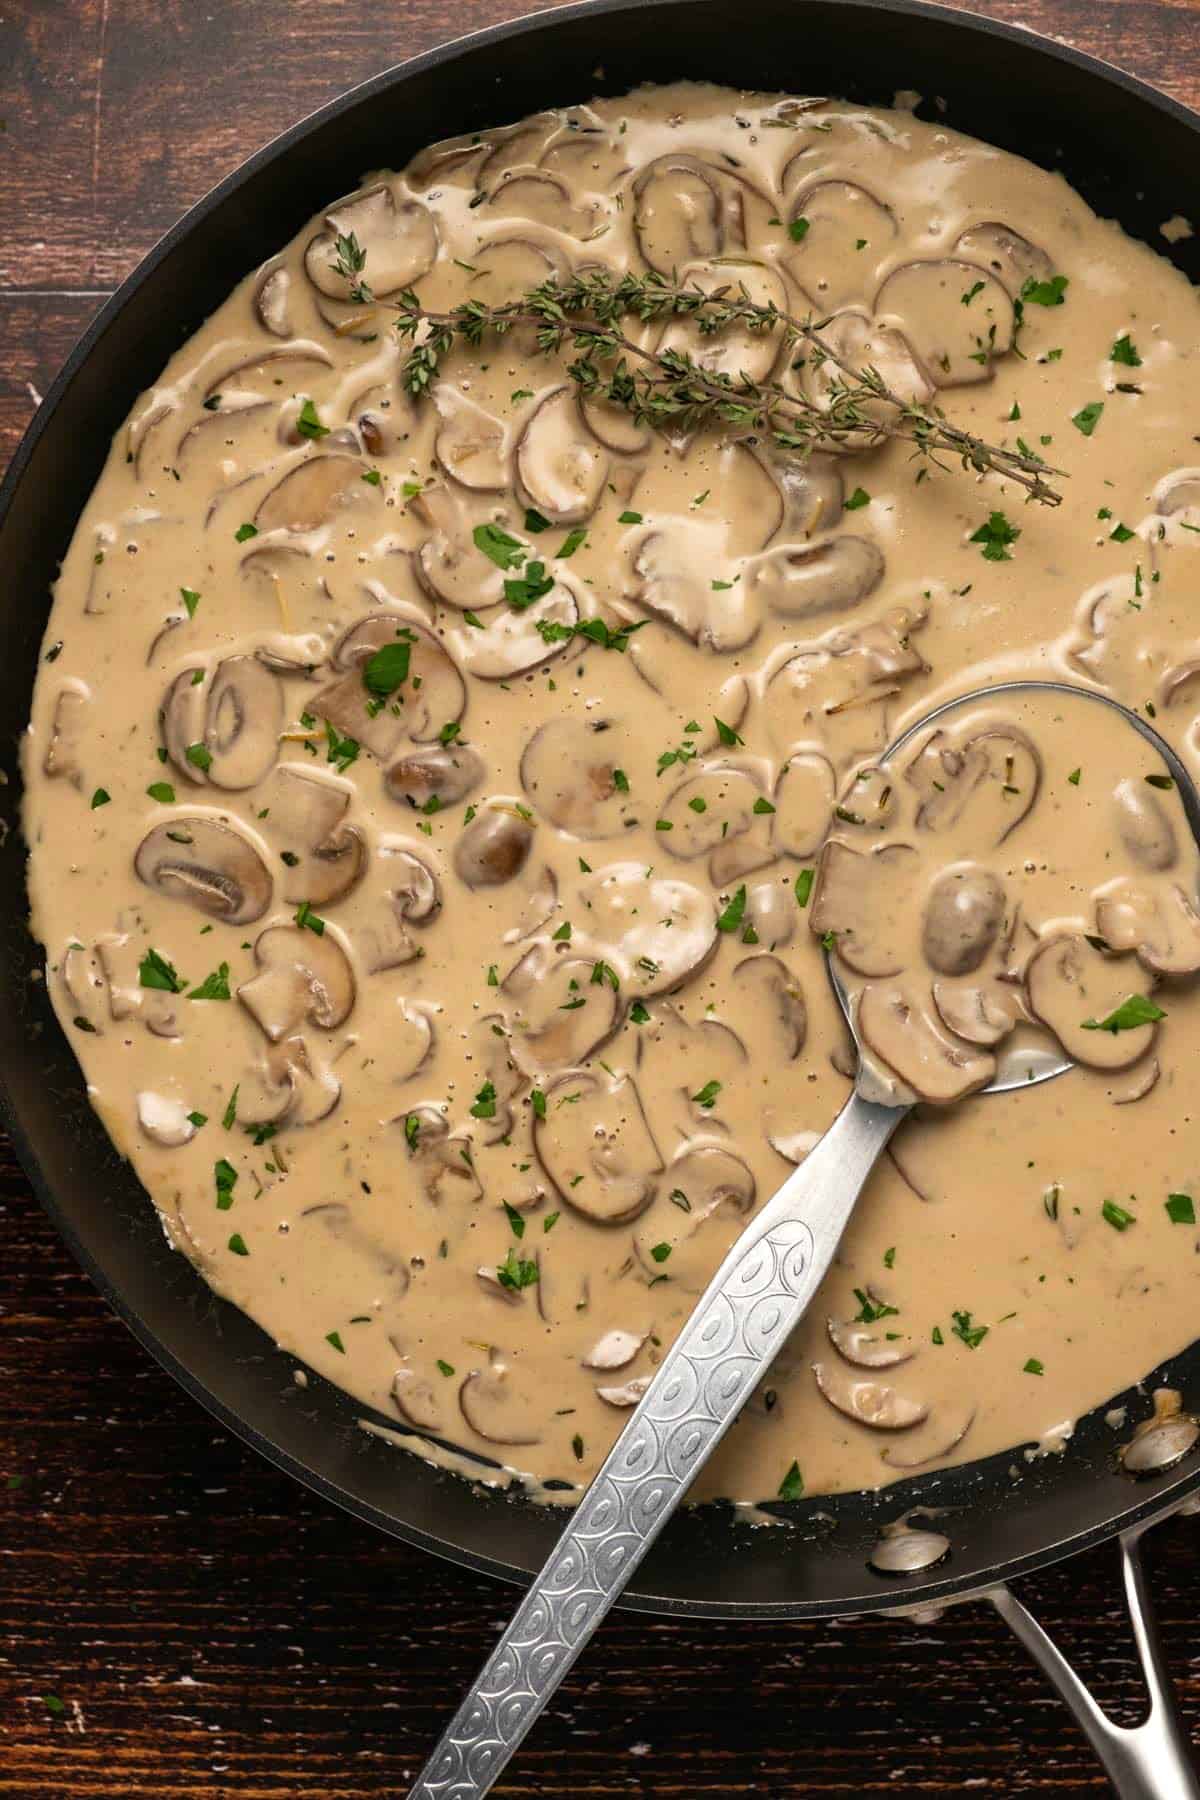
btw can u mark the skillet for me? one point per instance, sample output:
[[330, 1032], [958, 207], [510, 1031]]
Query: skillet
[[1126, 149]]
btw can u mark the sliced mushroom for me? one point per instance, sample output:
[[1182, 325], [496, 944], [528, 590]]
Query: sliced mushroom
[[514, 642], [836, 690], [287, 1086], [323, 857], [558, 1015], [399, 243], [615, 1350], [272, 300], [865, 898], [414, 898], [303, 977], [262, 370], [804, 797], [868, 1349], [445, 773], [441, 1158], [164, 1120], [1011, 258], [1163, 1439], [596, 1146], [1178, 492], [207, 863], [628, 1394], [1069, 984], [980, 789], [432, 694], [496, 1408], [942, 1433], [538, 198], [494, 847], [470, 444], [964, 911], [982, 1012], [613, 426], [661, 931], [1144, 825], [956, 338], [904, 1551], [668, 1049], [849, 340], [310, 492], [63, 760], [710, 1178], [735, 351], [712, 814], [569, 769], [416, 1400], [868, 1402], [900, 1030], [449, 565], [780, 1019], [84, 977], [837, 216], [1160, 924], [808, 580], [1141, 1081], [772, 913], [685, 210], [561, 470], [224, 729]]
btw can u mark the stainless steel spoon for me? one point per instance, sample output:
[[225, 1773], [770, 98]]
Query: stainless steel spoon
[[742, 1320]]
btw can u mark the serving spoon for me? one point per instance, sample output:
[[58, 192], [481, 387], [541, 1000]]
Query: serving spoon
[[746, 1314]]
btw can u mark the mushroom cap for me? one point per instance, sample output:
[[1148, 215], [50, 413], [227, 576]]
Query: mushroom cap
[[470, 445], [1144, 825], [512, 642], [272, 295], [806, 581], [616, 1349], [303, 977], [964, 911], [446, 773], [234, 715], [164, 1119], [494, 847], [1011, 258], [838, 213], [323, 857], [711, 813], [804, 798], [432, 694], [596, 1146], [867, 1349], [980, 787], [207, 863], [681, 212], [1159, 923], [416, 1400]]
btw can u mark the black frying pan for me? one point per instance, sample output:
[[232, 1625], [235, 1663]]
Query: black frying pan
[[1132, 154]]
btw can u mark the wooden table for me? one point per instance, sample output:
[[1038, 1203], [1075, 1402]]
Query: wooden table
[[176, 1619]]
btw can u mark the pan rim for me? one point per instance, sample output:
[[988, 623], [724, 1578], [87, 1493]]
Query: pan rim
[[1160, 1500]]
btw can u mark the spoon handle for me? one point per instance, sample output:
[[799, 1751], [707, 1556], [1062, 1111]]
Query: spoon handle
[[742, 1320]]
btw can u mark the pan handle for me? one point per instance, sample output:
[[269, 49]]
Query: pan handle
[[1150, 1761]]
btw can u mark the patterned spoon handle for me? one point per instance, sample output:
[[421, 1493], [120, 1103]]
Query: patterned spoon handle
[[740, 1323]]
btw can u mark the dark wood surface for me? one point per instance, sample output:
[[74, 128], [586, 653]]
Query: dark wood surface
[[178, 1620]]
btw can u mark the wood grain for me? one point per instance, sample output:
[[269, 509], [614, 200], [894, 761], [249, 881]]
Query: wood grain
[[208, 1628]]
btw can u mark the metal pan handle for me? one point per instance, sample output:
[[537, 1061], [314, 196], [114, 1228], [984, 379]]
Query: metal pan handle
[[1150, 1761]]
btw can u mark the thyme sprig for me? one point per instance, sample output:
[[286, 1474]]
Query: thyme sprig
[[667, 390]]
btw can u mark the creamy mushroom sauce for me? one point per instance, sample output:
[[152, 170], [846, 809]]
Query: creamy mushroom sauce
[[524, 1017]]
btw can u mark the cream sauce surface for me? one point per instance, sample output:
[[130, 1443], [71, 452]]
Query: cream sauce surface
[[450, 982]]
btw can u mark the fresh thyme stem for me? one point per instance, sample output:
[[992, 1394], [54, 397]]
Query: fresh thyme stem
[[671, 391]]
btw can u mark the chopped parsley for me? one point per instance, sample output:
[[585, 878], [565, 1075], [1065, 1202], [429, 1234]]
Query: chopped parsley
[[384, 672], [572, 541], [515, 1220], [230, 1113], [446, 1368], [859, 497], [1088, 417], [967, 1331], [731, 917], [485, 1102], [154, 971], [534, 521], [798, 230], [516, 1272], [1136, 1010], [191, 600], [871, 1310], [629, 518], [237, 1244], [1034, 1367], [1045, 293], [214, 986], [804, 886], [727, 734], [225, 1176], [707, 1095], [162, 791], [199, 755], [996, 536], [244, 532], [335, 1338], [308, 422], [660, 1252], [1181, 1209], [1125, 351], [308, 920], [342, 751], [792, 1485], [1117, 1216], [505, 551]]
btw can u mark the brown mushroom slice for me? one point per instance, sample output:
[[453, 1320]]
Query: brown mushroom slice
[[865, 898], [310, 492], [272, 300], [686, 210], [311, 1089], [208, 864], [674, 584], [982, 1012], [852, 340], [432, 694], [470, 444], [243, 719], [735, 351], [303, 978], [164, 1120], [837, 688], [809, 580], [711, 1178], [1144, 825], [771, 1008], [710, 812], [627, 1394], [662, 930], [541, 901], [613, 426], [63, 760], [514, 642], [557, 1014], [323, 857], [441, 1158], [981, 789], [561, 470], [868, 1349], [1011, 258], [957, 340], [667, 1048], [496, 1407], [616, 1349], [86, 981], [414, 898], [539, 198], [494, 848], [941, 1433], [449, 565], [687, 1250], [964, 911], [804, 799], [772, 913], [258, 368], [900, 1030], [512, 264], [1068, 984], [838, 215], [1160, 924], [416, 1400], [217, 431], [446, 773], [596, 1146], [569, 770], [1139, 1083], [1177, 493], [870, 1403], [399, 243]]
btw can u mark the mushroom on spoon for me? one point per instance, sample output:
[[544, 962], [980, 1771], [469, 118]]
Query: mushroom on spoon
[[767, 1280]]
